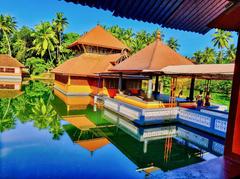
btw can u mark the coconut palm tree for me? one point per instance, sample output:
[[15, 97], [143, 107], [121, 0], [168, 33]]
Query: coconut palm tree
[[127, 37], [208, 56], [221, 40], [44, 39], [21, 42], [173, 44], [197, 56], [7, 27], [116, 31], [231, 53], [59, 25]]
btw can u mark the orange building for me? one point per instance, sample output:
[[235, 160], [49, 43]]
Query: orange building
[[98, 51], [10, 68], [10, 73]]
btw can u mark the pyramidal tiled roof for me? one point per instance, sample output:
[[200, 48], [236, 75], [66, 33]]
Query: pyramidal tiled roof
[[99, 37], [8, 61], [93, 144], [155, 56], [87, 64]]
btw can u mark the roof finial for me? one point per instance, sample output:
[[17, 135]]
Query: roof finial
[[158, 36]]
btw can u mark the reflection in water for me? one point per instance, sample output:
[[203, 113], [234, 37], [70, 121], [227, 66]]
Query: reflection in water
[[33, 105], [8, 90], [150, 149]]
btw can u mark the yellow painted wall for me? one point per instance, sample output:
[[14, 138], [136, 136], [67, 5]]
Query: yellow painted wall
[[84, 89]]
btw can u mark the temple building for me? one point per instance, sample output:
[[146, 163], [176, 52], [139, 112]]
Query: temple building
[[153, 57], [10, 73], [98, 51], [10, 68]]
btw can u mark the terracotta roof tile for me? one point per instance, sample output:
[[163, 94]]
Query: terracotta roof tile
[[8, 61], [153, 57], [98, 36], [87, 64]]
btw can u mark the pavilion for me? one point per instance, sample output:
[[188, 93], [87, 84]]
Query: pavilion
[[10, 70], [98, 51], [155, 56], [80, 133], [194, 16]]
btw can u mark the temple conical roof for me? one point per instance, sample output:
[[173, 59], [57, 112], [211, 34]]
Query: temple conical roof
[[99, 37], [155, 56]]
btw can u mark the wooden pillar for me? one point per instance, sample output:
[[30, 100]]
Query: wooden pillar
[[69, 80], [103, 83], [191, 93], [149, 92], [156, 84], [120, 82], [232, 144]]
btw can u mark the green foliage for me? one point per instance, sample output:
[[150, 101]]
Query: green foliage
[[21, 42], [3, 46], [44, 39], [33, 105], [7, 27], [173, 44], [220, 86], [136, 41], [69, 38], [221, 38], [7, 120], [36, 65], [59, 24]]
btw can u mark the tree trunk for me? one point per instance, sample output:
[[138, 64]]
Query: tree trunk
[[58, 48], [50, 54], [9, 47]]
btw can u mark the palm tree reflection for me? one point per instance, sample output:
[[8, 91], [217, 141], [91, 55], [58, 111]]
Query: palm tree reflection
[[34, 105]]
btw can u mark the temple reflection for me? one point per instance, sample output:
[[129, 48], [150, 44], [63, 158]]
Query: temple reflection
[[150, 148], [10, 89]]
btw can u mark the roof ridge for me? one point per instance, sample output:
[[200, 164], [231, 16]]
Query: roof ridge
[[153, 53]]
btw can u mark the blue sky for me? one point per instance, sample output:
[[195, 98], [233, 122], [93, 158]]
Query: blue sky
[[82, 19]]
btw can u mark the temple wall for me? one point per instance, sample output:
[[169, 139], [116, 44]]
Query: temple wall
[[10, 73], [83, 86], [10, 85]]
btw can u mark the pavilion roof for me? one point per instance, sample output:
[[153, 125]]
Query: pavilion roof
[[155, 56], [189, 15], [8, 61], [93, 144], [87, 64], [205, 71], [80, 121], [99, 37]]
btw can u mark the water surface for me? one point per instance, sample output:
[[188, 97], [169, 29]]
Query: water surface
[[47, 135]]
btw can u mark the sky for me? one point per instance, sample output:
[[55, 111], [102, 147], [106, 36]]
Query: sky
[[82, 19]]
